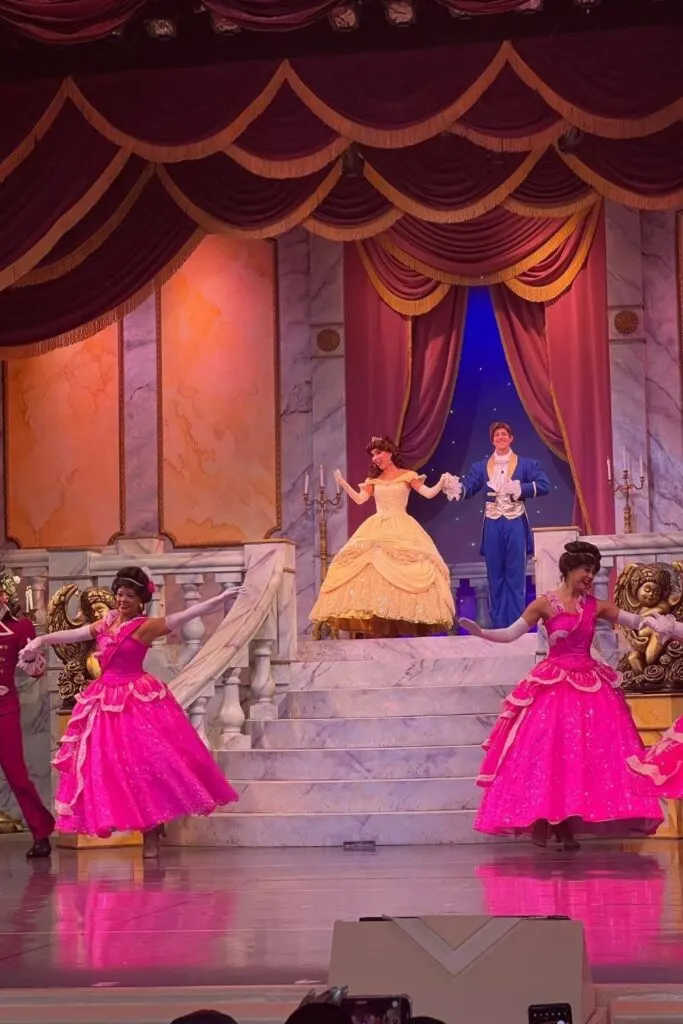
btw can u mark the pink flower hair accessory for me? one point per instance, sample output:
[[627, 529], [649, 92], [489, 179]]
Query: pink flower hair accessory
[[151, 587]]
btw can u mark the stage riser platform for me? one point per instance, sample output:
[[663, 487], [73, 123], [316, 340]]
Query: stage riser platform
[[394, 703], [354, 797], [339, 733]]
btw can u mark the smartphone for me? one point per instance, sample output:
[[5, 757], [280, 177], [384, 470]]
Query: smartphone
[[378, 1009], [551, 1013]]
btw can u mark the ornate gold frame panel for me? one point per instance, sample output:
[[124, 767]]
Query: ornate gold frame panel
[[4, 384], [163, 529]]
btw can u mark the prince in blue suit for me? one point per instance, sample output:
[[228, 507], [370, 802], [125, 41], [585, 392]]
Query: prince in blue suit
[[510, 480]]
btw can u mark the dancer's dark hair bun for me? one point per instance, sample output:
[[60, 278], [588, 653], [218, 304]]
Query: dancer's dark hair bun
[[138, 581], [579, 554]]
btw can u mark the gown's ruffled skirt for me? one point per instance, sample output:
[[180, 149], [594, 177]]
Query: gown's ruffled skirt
[[559, 751], [387, 580], [661, 766], [130, 760]]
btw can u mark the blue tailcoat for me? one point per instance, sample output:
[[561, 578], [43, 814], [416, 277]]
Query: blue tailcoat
[[506, 543]]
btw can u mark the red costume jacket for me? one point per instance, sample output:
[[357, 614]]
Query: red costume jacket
[[14, 635]]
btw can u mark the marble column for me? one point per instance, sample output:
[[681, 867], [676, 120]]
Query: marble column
[[627, 351], [663, 377], [140, 472]]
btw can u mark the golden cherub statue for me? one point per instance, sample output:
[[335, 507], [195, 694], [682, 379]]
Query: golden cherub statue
[[80, 663], [653, 663]]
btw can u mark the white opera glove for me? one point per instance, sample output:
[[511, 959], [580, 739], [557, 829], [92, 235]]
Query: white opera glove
[[497, 636], [62, 636], [630, 620], [176, 619], [431, 492], [665, 625], [360, 497], [452, 487], [512, 488]]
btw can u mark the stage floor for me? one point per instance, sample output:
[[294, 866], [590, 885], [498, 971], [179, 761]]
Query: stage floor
[[252, 917]]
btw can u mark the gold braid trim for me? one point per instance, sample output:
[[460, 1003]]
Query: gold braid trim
[[497, 312], [548, 292], [607, 127], [36, 253], [188, 151], [295, 168], [86, 331], [511, 144], [391, 138], [212, 225], [40, 128], [523, 209], [51, 271], [356, 232], [406, 307], [409, 380], [606, 188], [497, 276], [459, 214]]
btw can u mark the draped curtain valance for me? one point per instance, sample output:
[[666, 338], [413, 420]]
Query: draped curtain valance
[[490, 169]]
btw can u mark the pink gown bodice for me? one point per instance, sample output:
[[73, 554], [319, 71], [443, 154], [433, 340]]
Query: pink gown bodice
[[570, 634], [121, 657]]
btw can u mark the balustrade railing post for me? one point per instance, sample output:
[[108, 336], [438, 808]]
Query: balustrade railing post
[[262, 683], [37, 587], [197, 715], [481, 595], [193, 631], [231, 715]]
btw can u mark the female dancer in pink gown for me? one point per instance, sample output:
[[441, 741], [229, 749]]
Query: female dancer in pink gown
[[130, 760], [556, 758], [660, 767]]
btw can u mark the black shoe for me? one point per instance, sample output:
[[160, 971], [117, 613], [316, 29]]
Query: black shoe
[[41, 848]]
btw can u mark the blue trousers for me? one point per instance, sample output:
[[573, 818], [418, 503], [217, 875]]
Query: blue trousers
[[505, 551]]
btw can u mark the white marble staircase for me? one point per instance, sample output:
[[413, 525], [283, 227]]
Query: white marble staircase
[[375, 740]]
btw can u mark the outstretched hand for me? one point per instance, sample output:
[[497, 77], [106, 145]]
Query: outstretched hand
[[662, 624], [470, 626], [32, 649], [231, 592], [337, 476]]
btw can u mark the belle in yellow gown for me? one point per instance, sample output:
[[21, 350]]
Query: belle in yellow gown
[[388, 579]]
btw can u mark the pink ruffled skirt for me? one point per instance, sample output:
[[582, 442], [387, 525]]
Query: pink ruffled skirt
[[661, 767], [130, 760], [558, 752]]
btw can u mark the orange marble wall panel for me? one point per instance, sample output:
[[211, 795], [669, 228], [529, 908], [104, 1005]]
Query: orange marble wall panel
[[219, 406], [62, 445]]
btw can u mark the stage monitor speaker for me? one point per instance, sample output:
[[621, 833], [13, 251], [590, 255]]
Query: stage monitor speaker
[[467, 970]]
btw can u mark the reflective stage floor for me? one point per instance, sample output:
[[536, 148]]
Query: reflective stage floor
[[265, 917]]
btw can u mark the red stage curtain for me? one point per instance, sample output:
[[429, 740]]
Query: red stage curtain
[[377, 372], [407, 291], [28, 110], [509, 116], [550, 189], [578, 354], [353, 209], [435, 358], [68, 21]]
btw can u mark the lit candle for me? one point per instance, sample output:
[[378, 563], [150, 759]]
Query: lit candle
[[624, 462], [29, 599], [609, 470], [640, 468], [322, 477], [306, 483]]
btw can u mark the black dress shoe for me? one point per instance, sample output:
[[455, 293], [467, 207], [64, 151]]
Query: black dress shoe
[[41, 848]]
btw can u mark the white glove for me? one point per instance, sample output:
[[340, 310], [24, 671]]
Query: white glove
[[513, 488], [665, 625], [471, 626], [498, 636], [176, 619], [452, 487], [360, 496]]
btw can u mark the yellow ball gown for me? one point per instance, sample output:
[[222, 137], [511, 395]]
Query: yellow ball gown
[[389, 578]]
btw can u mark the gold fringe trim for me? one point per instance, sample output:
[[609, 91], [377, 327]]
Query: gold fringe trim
[[548, 292], [40, 128], [74, 259], [498, 313], [409, 380], [606, 188], [608, 127], [456, 373], [405, 307], [498, 276], [355, 233], [188, 151], [36, 253], [390, 138], [86, 331], [570, 458], [212, 225], [523, 209], [511, 144], [458, 215], [294, 168]]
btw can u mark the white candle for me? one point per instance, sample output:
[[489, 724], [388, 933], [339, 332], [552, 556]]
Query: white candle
[[609, 470], [640, 468], [624, 463], [29, 599], [306, 483], [322, 477]]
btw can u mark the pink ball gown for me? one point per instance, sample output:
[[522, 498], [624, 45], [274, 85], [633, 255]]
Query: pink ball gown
[[558, 751], [130, 759], [661, 764]]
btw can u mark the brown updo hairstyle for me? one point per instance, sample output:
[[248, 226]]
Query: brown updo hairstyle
[[138, 581], [383, 444], [579, 554]]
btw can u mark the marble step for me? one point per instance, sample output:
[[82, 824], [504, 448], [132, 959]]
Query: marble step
[[352, 764], [503, 669], [367, 797], [400, 828], [393, 702], [415, 649], [434, 730]]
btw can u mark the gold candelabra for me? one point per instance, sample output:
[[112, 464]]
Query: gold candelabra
[[627, 487], [323, 505]]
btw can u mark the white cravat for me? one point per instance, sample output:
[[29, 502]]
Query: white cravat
[[503, 506]]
